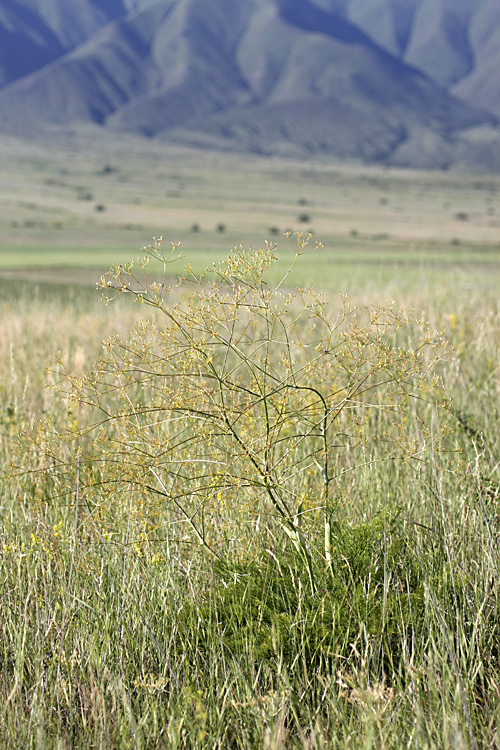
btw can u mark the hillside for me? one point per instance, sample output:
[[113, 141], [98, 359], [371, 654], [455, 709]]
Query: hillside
[[348, 78], [21, 29], [455, 42]]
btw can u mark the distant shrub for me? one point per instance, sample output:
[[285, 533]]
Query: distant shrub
[[462, 216], [132, 227], [108, 169], [100, 207], [221, 228], [195, 227], [304, 218]]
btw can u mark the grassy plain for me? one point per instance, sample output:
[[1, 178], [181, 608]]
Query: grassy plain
[[120, 631], [75, 204]]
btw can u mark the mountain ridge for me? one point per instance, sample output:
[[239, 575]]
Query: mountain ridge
[[261, 75]]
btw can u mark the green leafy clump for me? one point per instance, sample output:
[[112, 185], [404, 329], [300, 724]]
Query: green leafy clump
[[373, 589]]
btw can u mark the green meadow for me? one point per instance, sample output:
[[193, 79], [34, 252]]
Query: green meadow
[[233, 515]]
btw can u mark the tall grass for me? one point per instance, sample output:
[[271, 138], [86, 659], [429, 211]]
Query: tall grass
[[119, 629]]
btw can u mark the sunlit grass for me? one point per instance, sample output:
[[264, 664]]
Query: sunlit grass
[[113, 639], [384, 272]]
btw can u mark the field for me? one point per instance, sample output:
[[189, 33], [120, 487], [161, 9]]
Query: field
[[72, 205], [191, 553]]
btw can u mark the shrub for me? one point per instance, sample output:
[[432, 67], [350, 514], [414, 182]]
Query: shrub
[[239, 405]]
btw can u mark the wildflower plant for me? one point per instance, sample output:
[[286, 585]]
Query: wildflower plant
[[239, 398]]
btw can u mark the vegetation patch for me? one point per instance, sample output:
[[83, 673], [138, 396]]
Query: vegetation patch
[[252, 517]]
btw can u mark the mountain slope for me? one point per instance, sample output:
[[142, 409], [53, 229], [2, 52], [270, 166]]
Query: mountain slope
[[26, 42], [267, 75], [481, 85], [74, 21], [192, 48], [34, 33], [456, 43]]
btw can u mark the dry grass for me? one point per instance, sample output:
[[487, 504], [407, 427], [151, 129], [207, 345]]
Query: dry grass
[[110, 644], [50, 198], [124, 641]]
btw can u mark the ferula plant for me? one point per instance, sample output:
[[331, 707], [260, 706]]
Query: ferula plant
[[238, 405]]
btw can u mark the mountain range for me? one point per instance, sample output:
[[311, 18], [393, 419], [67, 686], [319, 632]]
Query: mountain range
[[409, 82]]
